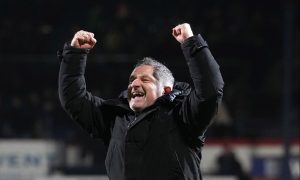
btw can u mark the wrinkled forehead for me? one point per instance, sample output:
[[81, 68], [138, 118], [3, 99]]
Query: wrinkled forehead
[[142, 70]]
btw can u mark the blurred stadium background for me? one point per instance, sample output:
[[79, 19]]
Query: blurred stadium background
[[255, 135]]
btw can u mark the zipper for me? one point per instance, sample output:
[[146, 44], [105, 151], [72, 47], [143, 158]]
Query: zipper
[[131, 122]]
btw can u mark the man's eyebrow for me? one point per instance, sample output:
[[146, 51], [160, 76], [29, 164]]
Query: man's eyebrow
[[145, 75], [150, 77]]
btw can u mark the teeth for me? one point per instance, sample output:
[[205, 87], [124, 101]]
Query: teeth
[[134, 94]]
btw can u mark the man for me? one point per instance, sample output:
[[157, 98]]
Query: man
[[155, 129]]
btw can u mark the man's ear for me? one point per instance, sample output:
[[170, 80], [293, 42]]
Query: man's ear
[[167, 89]]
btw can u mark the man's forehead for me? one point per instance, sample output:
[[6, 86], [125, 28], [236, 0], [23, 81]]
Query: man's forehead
[[143, 70]]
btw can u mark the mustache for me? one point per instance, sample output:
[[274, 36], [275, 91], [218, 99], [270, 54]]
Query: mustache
[[135, 93]]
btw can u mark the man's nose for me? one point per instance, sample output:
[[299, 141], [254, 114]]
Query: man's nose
[[136, 83]]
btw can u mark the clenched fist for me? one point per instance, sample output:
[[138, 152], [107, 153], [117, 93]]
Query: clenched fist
[[84, 40], [181, 32]]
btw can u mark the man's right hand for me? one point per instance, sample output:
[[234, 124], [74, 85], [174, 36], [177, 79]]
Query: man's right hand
[[83, 40]]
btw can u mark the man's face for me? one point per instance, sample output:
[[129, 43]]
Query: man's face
[[143, 88]]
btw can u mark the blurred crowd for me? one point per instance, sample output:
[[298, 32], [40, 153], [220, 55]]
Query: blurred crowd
[[122, 26]]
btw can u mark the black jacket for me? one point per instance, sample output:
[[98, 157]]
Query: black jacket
[[164, 141]]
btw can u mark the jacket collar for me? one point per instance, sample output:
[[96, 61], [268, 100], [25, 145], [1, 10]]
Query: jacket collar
[[180, 90]]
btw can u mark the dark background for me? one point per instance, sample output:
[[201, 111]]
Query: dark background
[[255, 42]]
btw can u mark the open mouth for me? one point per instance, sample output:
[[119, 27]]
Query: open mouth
[[137, 94]]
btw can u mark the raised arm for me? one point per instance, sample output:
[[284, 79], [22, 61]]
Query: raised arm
[[80, 104], [201, 105]]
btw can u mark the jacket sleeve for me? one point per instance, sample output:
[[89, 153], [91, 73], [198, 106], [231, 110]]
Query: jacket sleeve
[[80, 104], [200, 106]]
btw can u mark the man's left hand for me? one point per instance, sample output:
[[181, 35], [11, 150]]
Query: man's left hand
[[182, 31]]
